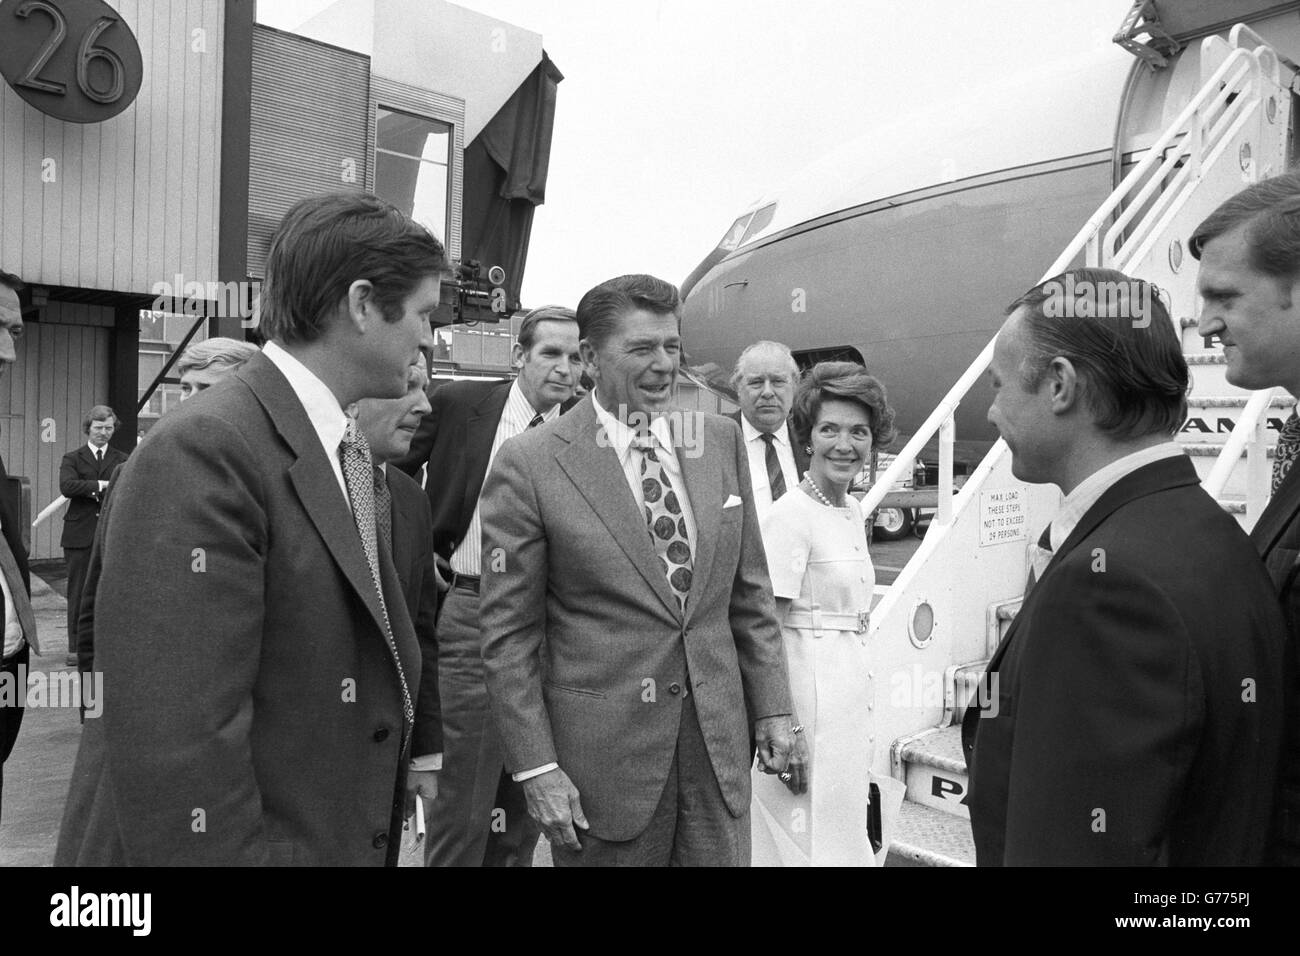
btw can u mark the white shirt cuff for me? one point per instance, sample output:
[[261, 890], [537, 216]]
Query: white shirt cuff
[[523, 775], [427, 762]]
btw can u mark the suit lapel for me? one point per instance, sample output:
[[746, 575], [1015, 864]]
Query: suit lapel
[[480, 432], [1277, 516], [703, 477], [313, 479], [1158, 476], [598, 476]]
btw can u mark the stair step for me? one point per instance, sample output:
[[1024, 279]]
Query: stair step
[[927, 837], [1211, 418], [935, 771]]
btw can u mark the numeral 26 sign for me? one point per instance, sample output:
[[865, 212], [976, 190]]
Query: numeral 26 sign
[[75, 60]]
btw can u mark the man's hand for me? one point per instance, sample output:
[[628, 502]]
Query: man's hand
[[442, 572], [799, 767], [422, 783], [774, 742], [553, 803]]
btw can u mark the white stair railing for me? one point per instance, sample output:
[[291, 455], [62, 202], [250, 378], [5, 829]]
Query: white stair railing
[[1188, 146]]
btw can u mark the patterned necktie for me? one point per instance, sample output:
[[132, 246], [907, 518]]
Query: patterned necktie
[[359, 476], [537, 420], [383, 510], [663, 516], [1288, 448], [1039, 559], [775, 477]]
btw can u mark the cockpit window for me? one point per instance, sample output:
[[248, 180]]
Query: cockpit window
[[737, 232], [759, 222]]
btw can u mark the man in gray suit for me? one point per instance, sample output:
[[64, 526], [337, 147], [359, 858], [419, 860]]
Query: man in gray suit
[[255, 638], [630, 638]]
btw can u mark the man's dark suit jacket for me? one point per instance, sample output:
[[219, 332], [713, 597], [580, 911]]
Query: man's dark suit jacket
[[255, 713], [94, 567], [1138, 692], [413, 555], [79, 478], [455, 439], [800, 456], [11, 519], [1276, 536]]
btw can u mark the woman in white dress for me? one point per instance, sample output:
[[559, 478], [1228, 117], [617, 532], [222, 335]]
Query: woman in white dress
[[815, 814]]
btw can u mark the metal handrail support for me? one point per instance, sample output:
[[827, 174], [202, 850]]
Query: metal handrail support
[[1257, 471], [947, 438], [948, 406], [1246, 435]]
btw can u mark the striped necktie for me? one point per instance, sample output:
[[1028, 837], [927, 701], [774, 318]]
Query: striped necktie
[[775, 477]]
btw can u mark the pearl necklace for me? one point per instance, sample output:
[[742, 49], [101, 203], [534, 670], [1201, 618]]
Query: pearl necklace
[[818, 492]]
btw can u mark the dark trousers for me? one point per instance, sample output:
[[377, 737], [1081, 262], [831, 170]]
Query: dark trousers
[[691, 825], [78, 560], [11, 718], [480, 817]]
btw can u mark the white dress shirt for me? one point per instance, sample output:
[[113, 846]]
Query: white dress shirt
[[620, 436], [323, 409], [756, 449], [518, 412]]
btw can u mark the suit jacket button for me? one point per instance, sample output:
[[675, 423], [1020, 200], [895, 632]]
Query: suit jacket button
[[381, 735], [380, 841], [674, 688]]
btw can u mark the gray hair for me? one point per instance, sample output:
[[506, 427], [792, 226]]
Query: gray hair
[[221, 352], [784, 350]]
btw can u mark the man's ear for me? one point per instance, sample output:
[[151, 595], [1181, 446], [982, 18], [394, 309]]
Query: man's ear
[[362, 308], [589, 363], [1066, 387], [516, 355]]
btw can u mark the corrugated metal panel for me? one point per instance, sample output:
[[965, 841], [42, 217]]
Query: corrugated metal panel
[[439, 106], [133, 200], [62, 370], [311, 123]]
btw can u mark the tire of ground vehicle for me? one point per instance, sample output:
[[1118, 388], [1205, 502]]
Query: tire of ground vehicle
[[893, 524]]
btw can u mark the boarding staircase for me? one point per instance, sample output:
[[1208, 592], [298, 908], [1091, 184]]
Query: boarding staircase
[[935, 629]]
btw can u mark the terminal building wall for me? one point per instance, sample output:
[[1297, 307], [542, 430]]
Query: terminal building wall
[[62, 370], [126, 203]]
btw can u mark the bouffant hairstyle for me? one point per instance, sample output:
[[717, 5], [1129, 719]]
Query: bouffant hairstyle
[[849, 382]]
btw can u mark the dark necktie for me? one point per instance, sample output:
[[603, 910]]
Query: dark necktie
[[775, 477], [663, 516], [1288, 448], [359, 476], [537, 420], [1039, 560]]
